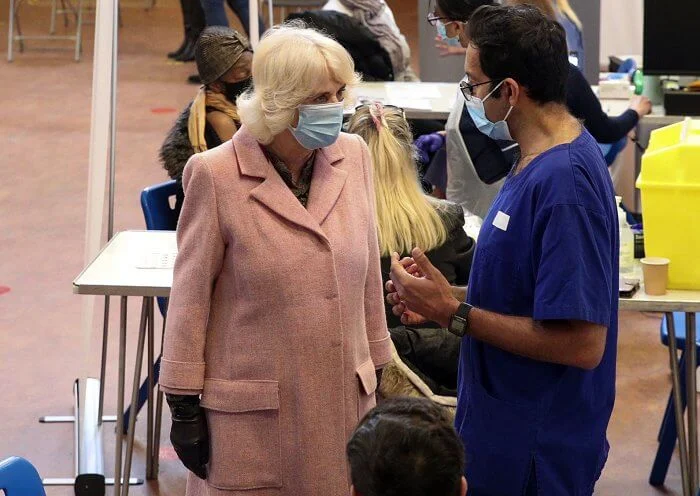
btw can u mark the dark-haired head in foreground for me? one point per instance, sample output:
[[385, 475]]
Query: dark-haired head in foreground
[[406, 447]]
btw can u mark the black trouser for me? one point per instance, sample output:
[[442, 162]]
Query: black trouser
[[193, 18]]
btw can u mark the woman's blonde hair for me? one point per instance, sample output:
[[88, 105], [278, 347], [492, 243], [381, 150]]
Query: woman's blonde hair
[[549, 8], [406, 217], [565, 8], [545, 6], [288, 65]]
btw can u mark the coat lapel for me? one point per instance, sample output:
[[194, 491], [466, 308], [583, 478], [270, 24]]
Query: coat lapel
[[326, 184]]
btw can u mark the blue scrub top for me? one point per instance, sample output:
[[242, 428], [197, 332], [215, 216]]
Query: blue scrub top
[[548, 249]]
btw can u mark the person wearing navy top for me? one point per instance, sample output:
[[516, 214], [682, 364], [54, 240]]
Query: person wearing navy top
[[536, 383]]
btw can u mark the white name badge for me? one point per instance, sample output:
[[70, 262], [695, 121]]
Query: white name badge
[[501, 221]]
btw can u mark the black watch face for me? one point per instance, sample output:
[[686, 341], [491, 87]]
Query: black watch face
[[458, 325]]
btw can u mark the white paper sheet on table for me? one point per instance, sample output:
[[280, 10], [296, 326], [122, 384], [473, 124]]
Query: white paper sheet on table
[[404, 103], [156, 260], [411, 91], [412, 103]]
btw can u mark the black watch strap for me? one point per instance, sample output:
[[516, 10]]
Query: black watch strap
[[459, 323]]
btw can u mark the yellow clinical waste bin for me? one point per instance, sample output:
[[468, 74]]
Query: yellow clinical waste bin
[[670, 186]]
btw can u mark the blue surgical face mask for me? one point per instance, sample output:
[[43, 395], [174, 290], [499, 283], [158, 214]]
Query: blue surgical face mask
[[494, 130], [442, 33], [319, 125]]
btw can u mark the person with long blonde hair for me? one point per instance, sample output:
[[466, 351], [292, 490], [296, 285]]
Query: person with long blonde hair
[[407, 217], [574, 31]]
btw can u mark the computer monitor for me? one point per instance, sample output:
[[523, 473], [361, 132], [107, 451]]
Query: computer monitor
[[671, 37]]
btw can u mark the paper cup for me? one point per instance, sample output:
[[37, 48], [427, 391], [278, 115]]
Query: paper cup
[[655, 275]]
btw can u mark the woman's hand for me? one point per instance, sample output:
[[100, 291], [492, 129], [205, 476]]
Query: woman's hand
[[641, 105], [427, 145], [189, 433], [446, 50]]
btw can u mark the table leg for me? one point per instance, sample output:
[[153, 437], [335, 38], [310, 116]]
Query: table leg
[[677, 403], [691, 391], [151, 383], [159, 415], [54, 9], [135, 396], [103, 362], [11, 31], [120, 398]]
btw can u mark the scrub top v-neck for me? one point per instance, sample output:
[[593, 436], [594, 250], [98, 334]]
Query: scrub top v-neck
[[548, 249]]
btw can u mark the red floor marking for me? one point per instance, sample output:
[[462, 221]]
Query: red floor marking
[[4, 289], [163, 110], [167, 453]]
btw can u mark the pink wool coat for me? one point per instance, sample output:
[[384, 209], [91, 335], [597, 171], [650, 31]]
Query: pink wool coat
[[276, 317]]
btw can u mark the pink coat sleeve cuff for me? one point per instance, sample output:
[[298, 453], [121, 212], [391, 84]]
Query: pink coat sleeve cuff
[[380, 351], [181, 376]]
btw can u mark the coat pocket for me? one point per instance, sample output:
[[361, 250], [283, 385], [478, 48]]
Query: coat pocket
[[368, 385], [244, 434]]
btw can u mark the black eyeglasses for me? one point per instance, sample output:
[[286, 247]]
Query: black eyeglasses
[[468, 88], [433, 19]]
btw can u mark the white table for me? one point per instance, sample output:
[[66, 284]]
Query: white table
[[419, 100], [688, 302], [115, 272]]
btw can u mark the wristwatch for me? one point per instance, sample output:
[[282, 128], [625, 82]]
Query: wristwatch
[[459, 322]]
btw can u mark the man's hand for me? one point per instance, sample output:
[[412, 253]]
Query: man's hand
[[408, 318], [428, 297]]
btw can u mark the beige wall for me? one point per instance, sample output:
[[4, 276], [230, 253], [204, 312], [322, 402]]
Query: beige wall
[[621, 30]]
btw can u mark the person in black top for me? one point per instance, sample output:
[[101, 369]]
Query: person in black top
[[224, 60], [584, 105], [407, 217]]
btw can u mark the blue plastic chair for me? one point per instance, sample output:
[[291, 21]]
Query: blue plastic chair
[[668, 433], [160, 216], [628, 66], [18, 477]]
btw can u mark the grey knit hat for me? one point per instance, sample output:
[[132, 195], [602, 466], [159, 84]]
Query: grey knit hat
[[218, 49]]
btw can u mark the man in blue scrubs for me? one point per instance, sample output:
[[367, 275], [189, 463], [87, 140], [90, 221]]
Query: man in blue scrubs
[[537, 363]]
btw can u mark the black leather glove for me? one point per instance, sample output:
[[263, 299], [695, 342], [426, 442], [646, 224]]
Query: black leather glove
[[189, 433]]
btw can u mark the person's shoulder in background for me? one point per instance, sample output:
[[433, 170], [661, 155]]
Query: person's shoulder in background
[[450, 212], [454, 257]]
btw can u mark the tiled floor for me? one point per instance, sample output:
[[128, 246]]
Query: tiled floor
[[44, 135]]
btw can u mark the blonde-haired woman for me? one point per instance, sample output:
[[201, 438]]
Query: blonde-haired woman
[[276, 316], [562, 12], [406, 218], [574, 31]]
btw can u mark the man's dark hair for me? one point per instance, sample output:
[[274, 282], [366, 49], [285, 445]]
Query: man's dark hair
[[406, 447], [460, 10], [521, 43]]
